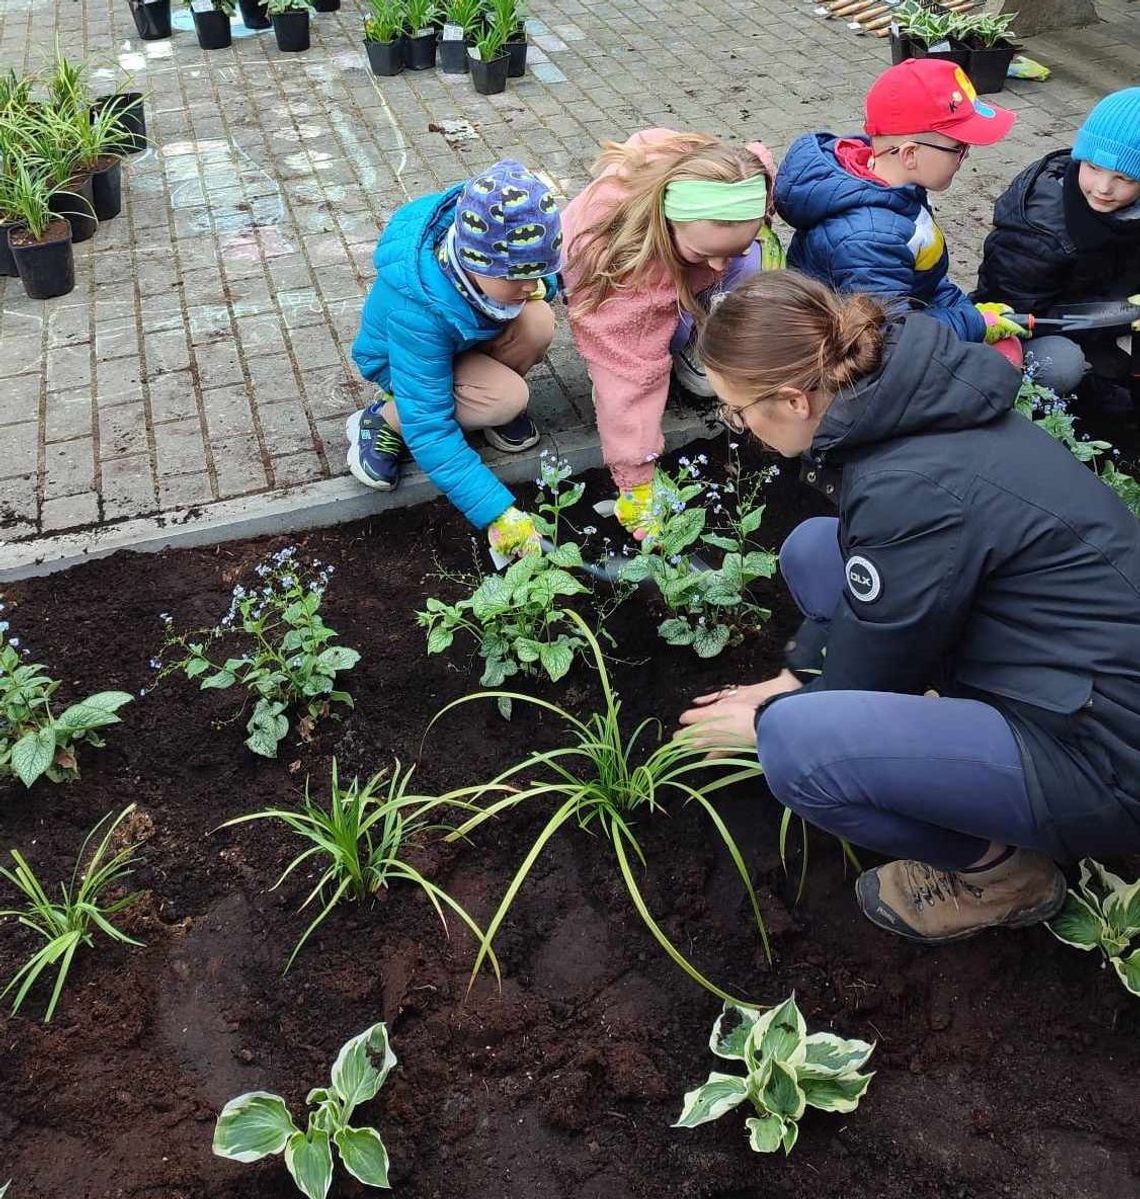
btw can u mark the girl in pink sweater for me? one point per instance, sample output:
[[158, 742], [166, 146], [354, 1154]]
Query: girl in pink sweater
[[670, 221]]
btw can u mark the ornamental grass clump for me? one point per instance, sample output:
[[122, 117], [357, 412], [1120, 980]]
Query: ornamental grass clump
[[361, 839], [283, 656], [606, 781], [787, 1071]]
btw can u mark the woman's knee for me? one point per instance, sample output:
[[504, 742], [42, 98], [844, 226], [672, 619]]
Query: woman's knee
[[784, 746], [812, 566], [1060, 363]]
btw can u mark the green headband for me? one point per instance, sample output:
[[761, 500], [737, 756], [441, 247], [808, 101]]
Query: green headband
[[704, 200]]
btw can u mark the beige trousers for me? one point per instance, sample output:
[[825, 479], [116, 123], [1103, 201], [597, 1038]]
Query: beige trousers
[[490, 389]]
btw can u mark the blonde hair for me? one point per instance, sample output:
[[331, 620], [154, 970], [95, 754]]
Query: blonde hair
[[782, 329], [618, 251]]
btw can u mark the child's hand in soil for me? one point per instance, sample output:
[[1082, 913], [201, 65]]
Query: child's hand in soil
[[513, 534], [725, 720], [634, 510]]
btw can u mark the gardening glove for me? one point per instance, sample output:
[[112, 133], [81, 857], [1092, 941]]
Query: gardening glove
[[513, 534], [634, 511], [772, 256], [997, 325]]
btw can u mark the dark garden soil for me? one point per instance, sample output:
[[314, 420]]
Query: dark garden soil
[[1007, 1065]]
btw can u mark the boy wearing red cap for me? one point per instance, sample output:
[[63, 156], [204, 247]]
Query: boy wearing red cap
[[859, 204]]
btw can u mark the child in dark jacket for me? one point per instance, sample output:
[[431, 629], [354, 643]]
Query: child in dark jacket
[[859, 204], [456, 318], [1067, 231]]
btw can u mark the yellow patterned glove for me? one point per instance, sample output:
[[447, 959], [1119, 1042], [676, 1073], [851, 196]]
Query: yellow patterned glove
[[513, 534], [997, 326], [634, 511], [772, 256]]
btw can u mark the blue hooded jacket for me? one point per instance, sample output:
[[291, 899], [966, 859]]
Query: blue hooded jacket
[[414, 323], [859, 236]]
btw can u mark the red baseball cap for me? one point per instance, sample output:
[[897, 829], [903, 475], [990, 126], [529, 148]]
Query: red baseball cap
[[931, 95]]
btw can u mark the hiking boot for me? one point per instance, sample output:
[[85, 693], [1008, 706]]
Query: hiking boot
[[374, 448], [924, 904], [515, 436], [689, 371]]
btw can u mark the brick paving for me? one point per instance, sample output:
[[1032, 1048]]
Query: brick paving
[[204, 355]]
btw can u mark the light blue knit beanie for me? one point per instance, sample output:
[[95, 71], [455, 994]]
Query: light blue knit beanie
[[1110, 136]]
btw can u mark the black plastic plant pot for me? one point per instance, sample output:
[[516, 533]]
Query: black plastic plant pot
[[386, 58], [129, 107], [213, 29], [988, 68], [903, 46], [253, 14], [419, 51], [516, 56], [327, 5], [291, 29], [7, 262], [490, 78], [107, 188], [76, 204], [46, 268], [452, 56], [152, 19]]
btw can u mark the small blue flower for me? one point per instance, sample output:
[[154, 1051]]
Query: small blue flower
[[142, 692], [155, 664], [14, 642]]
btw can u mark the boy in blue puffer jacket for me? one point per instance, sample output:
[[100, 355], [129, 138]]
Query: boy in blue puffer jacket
[[859, 204], [456, 318]]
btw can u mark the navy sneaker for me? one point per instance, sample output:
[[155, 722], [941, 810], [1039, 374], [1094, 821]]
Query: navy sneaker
[[515, 436], [374, 448]]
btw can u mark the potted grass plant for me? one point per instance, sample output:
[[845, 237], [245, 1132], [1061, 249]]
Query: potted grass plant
[[212, 22], [290, 24], [462, 18], [152, 18], [420, 34], [489, 61], [510, 16], [130, 115], [384, 36], [15, 101], [40, 240], [101, 142], [50, 139], [8, 220], [990, 40]]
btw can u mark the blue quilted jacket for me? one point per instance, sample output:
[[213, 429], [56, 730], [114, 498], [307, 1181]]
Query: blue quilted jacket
[[414, 323], [856, 235]]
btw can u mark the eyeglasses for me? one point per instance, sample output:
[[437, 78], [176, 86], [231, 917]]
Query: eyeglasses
[[731, 417], [959, 151]]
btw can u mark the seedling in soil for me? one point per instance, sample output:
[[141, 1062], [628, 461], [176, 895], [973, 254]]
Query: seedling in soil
[[362, 838], [286, 660], [805, 836], [710, 608], [66, 924], [1103, 913], [258, 1124], [604, 781], [33, 742], [788, 1071]]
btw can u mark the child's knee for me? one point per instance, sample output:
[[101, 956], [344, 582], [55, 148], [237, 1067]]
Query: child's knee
[[540, 325], [514, 396]]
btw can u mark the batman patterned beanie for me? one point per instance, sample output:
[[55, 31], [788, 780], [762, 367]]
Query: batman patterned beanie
[[507, 224]]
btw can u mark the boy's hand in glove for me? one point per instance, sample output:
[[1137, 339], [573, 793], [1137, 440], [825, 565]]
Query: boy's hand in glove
[[634, 512], [997, 326], [513, 534]]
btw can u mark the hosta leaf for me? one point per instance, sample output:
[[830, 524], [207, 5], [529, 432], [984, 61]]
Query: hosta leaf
[[731, 1029], [1097, 882], [94, 711], [1122, 909], [33, 754], [835, 1094], [828, 1056], [779, 1034], [308, 1159], [720, 1094], [1077, 923], [1129, 970], [781, 1094], [791, 1134], [709, 640], [253, 1126], [338, 657], [675, 631], [765, 1133], [361, 1066], [557, 658], [439, 639], [364, 1155]]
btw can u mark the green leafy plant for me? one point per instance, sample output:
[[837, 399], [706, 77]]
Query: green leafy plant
[[1103, 913], [65, 924], [788, 1071], [384, 21], [467, 14], [419, 15], [924, 24], [258, 1124], [983, 31], [15, 91], [276, 8], [489, 42], [25, 195], [67, 84], [604, 781], [507, 15], [226, 6], [361, 839], [710, 608], [284, 659], [34, 742]]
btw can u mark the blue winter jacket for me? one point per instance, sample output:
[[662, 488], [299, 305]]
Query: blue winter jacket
[[860, 236], [414, 323]]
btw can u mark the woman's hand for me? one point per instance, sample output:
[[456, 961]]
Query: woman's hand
[[725, 721]]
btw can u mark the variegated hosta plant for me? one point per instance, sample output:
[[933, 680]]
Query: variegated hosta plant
[[258, 1124], [788, 1072], [1103, 913]]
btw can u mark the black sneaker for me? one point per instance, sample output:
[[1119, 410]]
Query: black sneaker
[[374, 448], [515, 436]]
